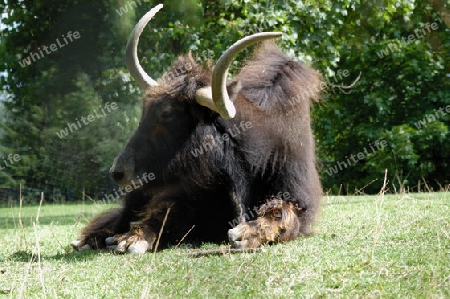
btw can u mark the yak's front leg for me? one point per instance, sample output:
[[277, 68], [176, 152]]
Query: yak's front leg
[[277, 221], [94, 235], [161, 216], [143, 234], [112, 222]]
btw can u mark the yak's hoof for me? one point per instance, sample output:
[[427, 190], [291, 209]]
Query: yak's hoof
[[139, 246], [240, 244], [128, 243], [235, 234], [79, 245], [111, 243], [243, 236]]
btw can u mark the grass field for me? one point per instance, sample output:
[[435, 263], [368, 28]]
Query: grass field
[[368, 247]]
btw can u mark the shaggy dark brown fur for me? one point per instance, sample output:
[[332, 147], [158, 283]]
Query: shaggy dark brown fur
[[207, 190]]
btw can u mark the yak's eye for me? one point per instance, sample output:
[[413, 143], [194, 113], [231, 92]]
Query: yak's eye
[[166, 114], [171, 112]]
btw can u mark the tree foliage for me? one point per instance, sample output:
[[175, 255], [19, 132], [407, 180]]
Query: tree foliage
[[60, 87], [401, 84]]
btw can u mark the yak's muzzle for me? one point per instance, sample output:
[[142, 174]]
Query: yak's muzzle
[[123, 169]]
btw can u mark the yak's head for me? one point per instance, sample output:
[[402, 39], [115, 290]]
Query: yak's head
[[171, 108]]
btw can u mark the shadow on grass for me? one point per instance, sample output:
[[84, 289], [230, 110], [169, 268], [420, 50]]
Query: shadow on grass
[[73, 256], [26, 256]]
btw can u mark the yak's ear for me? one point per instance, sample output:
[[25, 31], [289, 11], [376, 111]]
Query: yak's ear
[[204, 96], [201, 113], [233, 88]]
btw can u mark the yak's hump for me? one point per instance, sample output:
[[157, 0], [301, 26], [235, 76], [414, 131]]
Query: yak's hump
[[270, 78]]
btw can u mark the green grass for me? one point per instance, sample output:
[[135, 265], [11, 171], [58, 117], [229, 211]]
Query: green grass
[[367, 247]]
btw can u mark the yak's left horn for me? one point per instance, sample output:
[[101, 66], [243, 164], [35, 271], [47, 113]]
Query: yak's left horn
[[216, 96], [132, 60]]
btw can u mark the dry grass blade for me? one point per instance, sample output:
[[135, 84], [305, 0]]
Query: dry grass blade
[[38, 249], [160, 233], [185, 235], [378, 207]]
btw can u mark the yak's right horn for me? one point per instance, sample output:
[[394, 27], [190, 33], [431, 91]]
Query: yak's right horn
[[216, 96]]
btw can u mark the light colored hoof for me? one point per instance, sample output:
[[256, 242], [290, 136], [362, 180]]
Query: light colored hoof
[[121, 247], [138, 247], [77, 245], [235, 234], [240, 244], [110, 241]]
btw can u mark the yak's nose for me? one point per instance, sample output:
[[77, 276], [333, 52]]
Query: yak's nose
[[116, 176], [122, 170]]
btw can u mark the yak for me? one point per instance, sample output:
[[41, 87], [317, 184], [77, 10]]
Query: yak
[[215, 159]]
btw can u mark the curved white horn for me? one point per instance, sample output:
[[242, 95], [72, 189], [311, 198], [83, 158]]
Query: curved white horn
[[132, 60]]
